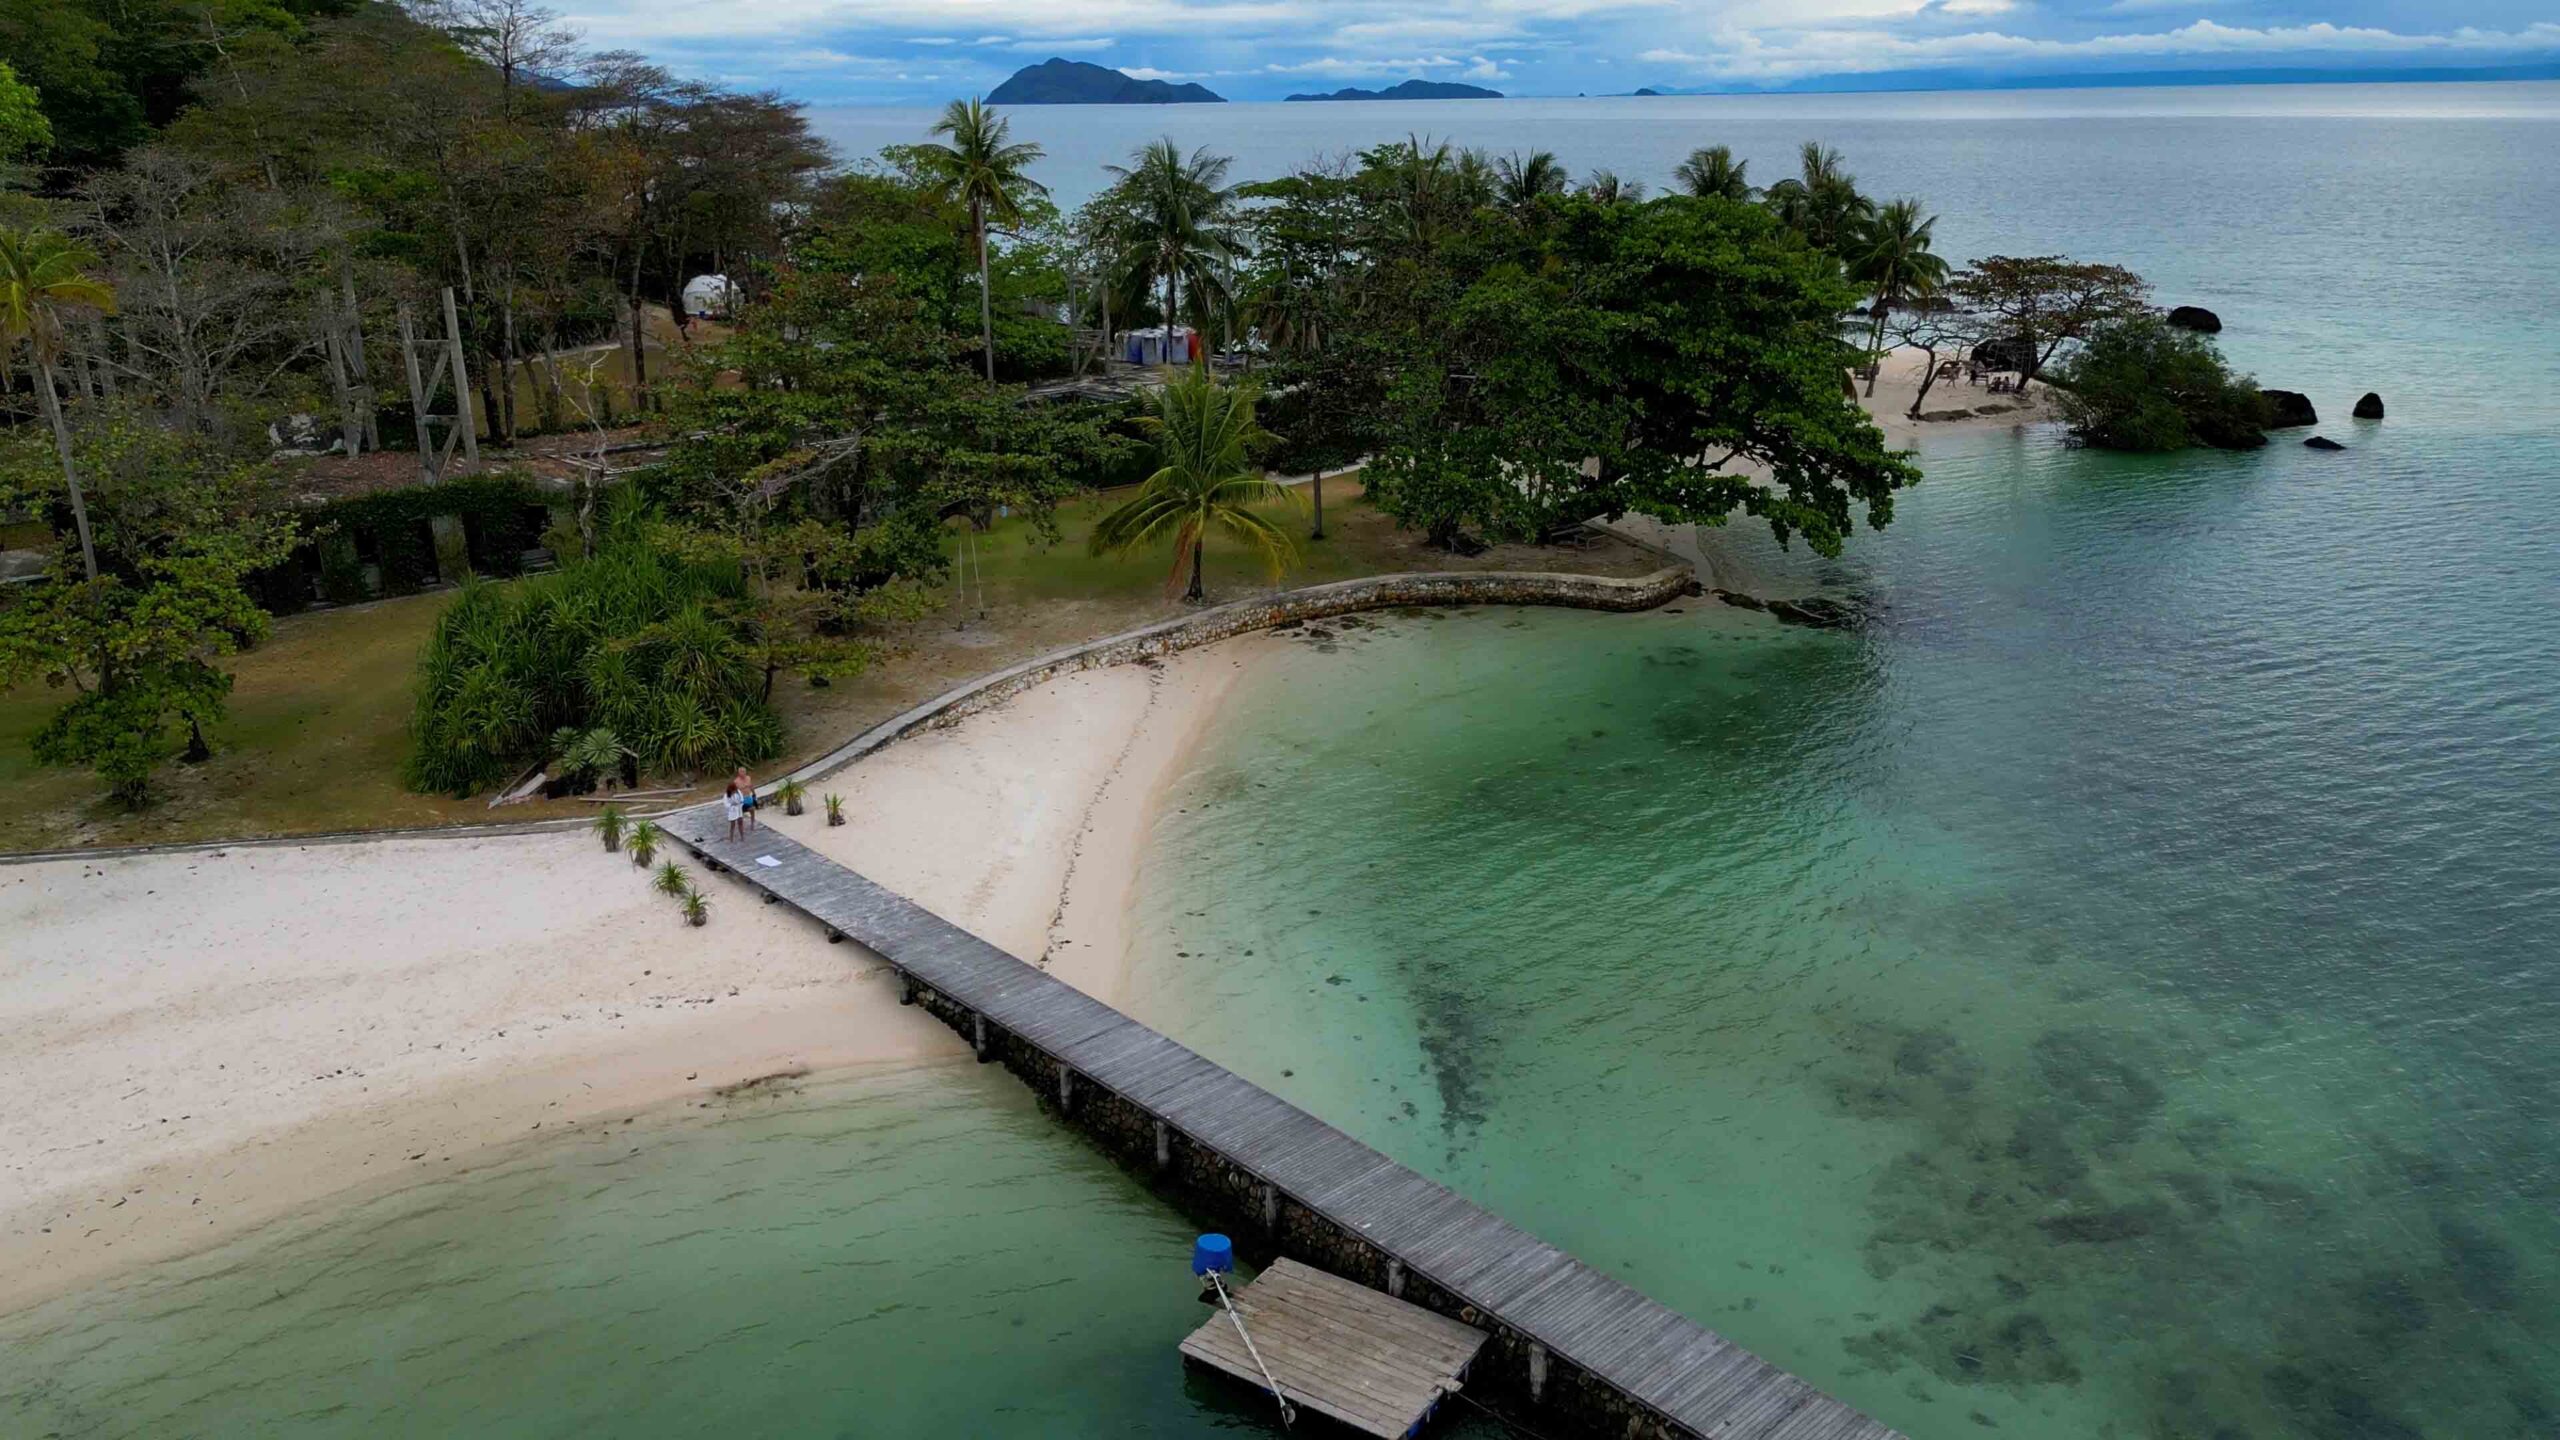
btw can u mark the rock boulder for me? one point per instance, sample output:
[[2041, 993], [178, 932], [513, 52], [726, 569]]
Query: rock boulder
[[2196, 318], [2322, 442], [2288, 409], [2370, 407]]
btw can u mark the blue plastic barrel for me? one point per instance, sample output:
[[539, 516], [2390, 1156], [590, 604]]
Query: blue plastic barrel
[[1213, 1252]]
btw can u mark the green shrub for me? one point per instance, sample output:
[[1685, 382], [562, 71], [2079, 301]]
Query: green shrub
[[2140, 384], [633, 642]]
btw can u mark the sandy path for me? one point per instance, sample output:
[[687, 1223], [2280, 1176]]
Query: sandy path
[[196, 1044]]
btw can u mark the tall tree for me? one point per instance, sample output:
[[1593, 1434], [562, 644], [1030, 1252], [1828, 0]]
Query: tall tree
[[1680, 359], [1821, 201], [1894, 261], [1713, 173], [1179, 229], [23, 128], [2040, 303], [1522, 181], [983, 169], [44, 277], [1205, 479], [181, 522]]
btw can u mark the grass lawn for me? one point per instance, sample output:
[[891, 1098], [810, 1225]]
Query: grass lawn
[[319, 716]]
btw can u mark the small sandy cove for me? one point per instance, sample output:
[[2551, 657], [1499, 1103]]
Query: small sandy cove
[[193, 1044]]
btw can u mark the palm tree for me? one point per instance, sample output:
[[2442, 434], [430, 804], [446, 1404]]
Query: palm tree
[[1205, 435], [42, 274], [1713, 173], [1178, 229], [1605, 187], [1520, 182], [982, 169], [1894, 261], [1822, 203]]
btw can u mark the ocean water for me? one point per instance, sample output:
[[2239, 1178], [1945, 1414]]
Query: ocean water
[[2113, 994], [922, 1254]]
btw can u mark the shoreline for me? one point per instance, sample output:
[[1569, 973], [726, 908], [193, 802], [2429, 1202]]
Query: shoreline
[[222, 1040]]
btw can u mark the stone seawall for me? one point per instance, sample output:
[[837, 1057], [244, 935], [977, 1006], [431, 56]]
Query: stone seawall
[[1315, 602]]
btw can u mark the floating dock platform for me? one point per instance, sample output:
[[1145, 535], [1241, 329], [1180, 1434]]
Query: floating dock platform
[[1340, 1349]]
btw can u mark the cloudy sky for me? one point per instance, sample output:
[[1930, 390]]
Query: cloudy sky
[[908, 51]]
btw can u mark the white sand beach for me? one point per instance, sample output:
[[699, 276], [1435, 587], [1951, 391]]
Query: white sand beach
[[197, 1043]]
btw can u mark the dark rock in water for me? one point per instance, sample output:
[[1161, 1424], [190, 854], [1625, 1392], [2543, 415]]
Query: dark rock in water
[[2288, 409], [2196, 318], [2322, 442], [2370, 407], [1937, 415], [1818, 613]]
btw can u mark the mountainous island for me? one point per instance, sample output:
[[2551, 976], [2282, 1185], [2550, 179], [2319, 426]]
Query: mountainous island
[[1057, 81], [1412, 90]]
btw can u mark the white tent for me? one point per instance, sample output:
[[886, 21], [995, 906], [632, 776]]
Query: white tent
[[1156, 345], [709, 296]]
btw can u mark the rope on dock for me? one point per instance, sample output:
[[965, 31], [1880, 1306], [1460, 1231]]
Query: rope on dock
[[1288, 1412]]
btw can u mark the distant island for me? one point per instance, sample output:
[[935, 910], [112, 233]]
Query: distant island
[[1057, 81], [1412, 90]]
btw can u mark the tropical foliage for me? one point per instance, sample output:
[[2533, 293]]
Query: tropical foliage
[[2141, 384], [135, 621], [1175, 229], [1630, 357], [1206, 479], [635, 640], [982, 168]]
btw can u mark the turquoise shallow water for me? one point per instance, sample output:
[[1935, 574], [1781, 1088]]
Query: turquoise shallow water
[[2112, 995], [924, 1254]]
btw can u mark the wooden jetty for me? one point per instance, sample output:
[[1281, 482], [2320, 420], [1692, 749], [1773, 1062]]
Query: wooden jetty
[[1580, 1337], [1340, 1349]]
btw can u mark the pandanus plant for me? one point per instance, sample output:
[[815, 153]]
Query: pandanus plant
[[697, 911], [835, 809], [643, 840], [670, 879], [610, 824], [791, 793]]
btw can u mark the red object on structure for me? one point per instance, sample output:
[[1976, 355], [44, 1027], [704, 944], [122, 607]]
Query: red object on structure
[[1195, 347]]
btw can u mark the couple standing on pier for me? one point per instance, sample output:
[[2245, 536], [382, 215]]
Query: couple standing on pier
[[738, 803]]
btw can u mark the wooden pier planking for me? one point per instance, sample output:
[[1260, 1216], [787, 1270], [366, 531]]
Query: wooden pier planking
[[1666, 1362], [1341, 1349]]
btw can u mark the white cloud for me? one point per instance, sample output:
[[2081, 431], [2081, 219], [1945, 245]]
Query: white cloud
[[1975, 8], [1149, 72], [1456, 30], [1066, 47], [931, 40], [1363, 67], [1747, 55]]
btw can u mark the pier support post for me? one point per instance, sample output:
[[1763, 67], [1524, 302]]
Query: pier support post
[[1395, 1279], [1270, 1207], [1066, 1089], [1164, 1146], [978, 1025], [1537, 1372], [906, 988]]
